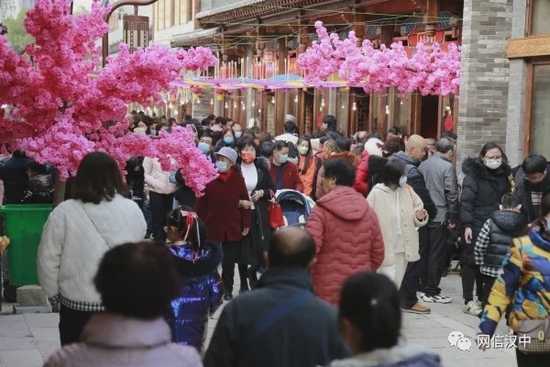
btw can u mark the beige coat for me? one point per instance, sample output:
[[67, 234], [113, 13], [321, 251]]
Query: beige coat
[[397, 231]]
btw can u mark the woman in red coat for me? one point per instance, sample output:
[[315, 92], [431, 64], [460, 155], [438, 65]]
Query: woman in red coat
[[226, 219], [346, 232]]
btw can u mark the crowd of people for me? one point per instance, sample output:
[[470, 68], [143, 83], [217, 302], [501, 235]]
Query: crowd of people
[[391, 215]]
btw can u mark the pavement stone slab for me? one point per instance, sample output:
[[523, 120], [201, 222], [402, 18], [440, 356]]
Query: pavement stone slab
[[27, 340]]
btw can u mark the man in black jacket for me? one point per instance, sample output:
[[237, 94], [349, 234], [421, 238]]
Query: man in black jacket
[[415, 151], [532, 183], [280, 323], [13, 173]]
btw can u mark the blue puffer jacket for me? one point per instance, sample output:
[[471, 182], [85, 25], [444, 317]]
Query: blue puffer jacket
[[200, 294], [398, 356]]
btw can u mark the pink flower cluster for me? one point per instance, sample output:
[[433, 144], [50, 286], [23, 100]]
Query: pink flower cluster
[[62, 104], [429, 69]]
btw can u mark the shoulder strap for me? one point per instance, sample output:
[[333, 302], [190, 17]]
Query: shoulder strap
[[95, 226]]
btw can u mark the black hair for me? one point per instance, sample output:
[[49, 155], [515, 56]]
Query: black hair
[[449, 135], [299, 255], [280, 145], [331, 122], [392, 146], [534, 163], [40, 169], [19, 154], [293, 150], [291, 127], [343, 144], [98, 178], [179, 221], [374, 134], [395, 130], [138, 280], [370, 302], [245, 141], [341, 170], [492, 145], [266, 149], [392, 172], [444, 145]]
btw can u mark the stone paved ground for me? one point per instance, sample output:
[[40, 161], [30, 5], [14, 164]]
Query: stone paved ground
[[27, 340]]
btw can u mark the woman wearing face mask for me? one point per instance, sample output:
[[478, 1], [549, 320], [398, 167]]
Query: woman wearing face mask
[[260, 190], [284, 174], [306, 165], [400, 213], [487, 179], [237, 130], [205, 145], [227, 140], [523, 291], [226, 220]]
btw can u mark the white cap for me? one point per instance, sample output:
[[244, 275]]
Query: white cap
[[289, 117], [228, 153], [373, 146]]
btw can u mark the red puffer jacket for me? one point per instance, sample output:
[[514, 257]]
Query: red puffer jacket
[[347, 237], [362, 174]]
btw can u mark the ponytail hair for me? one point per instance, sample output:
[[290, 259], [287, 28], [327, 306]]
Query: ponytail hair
[[370, 302], [189, 225]]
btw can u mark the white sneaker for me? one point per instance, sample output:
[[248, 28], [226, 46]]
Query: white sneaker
[[471, 308], [436, 299]]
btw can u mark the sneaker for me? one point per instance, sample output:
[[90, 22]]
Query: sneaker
[[436, 299], [418, 309], [227, 296], [420, 294], [472, 308]]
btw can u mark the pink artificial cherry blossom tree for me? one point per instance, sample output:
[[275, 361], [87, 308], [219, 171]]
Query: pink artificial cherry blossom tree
[[429, 70], [61, 104]]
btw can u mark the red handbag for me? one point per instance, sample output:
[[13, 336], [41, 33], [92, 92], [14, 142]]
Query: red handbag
[[276, 219]]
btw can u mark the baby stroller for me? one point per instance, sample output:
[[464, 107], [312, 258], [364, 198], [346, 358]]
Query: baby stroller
[[296, 206]]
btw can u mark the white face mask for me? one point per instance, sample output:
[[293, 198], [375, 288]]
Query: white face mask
[[222, 166], [403, 181], [493, 163], [303, 150]]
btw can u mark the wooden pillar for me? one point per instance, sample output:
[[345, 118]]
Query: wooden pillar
[[280, 94], [360, 32]]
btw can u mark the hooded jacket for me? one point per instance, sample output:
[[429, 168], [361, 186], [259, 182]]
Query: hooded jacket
[[347, 238], [398, 356], [362, 174], [482, 192], [523, 290], [200, 293], [504, 226], [111, 340], [396, 212]]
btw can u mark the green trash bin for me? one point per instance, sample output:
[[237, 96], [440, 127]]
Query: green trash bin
[[23, 224]]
